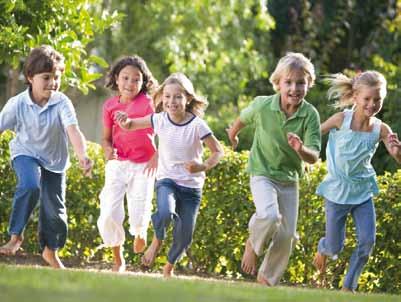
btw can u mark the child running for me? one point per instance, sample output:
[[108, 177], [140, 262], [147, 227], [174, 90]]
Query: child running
[[351, 183], [287, 132], [43, 119], [129, 167], [181, 172]]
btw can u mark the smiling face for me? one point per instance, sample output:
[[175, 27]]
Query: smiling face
[[174, 100], [43, 84], [129, 82], [293, 87], [368, 100]]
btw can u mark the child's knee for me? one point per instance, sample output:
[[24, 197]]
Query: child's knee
[[272, 217]]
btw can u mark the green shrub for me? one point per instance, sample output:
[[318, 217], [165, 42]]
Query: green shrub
[[222, 224]]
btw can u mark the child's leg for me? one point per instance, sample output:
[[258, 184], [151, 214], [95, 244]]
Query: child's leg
[[119, 261], [110, 221], [165, 190], [139, 197], [333, 242], [52, 216], [150, 255], [188, 202], [25, 199], [276, 259], [364, 217], [168, 270], [51, 257], [263, 224]]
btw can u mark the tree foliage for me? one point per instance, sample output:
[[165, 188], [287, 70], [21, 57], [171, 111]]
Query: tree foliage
[[68, 25]]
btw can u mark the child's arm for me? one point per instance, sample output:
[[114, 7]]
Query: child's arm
[[334, 121], [217, 153], [306, 154], [79, 145], [151, 166], [233, 131], [391, 141], [107, 144], [133, 124]]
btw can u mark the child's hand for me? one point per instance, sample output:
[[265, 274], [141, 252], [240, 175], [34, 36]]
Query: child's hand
[[194, 167], [122, 119], [86, 165], [233, 139], [294, 141], [110, 153], [394, 142], [151, 166]]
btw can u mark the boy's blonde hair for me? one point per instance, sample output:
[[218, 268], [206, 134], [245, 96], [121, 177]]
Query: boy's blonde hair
[[343, 88], [291, 61], [196, 104]]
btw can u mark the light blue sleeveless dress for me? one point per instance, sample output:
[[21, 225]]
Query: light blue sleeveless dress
[[351, 178]]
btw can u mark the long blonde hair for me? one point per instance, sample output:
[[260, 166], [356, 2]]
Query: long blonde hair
[[343, 88], [197, 104], [292, 61]]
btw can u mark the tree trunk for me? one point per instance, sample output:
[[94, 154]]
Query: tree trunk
[[12, 83]]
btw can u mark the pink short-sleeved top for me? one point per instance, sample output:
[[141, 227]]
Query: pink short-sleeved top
[[136, 146]]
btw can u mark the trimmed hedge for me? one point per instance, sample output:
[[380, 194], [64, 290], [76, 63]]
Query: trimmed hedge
[[222, 224]]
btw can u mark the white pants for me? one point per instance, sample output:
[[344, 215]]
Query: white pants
[[273, 226], [124, 177]]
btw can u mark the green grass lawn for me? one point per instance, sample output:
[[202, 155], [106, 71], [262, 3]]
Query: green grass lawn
[[18, 283]]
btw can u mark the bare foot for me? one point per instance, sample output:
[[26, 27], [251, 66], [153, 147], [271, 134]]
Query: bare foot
[[139, 245], [51, 257], [347, 290], [320, 262], [150, 255], [119, 261], [249, 258], [261, 280], [168, 270], [12, 246]]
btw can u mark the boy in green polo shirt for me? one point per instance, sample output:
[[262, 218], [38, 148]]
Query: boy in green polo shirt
[[287, 132]]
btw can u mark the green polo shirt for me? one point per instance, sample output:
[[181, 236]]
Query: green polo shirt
[[271, 155]]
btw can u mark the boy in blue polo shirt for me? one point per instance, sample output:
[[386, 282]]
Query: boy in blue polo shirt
[[42, 119], [287, 132]]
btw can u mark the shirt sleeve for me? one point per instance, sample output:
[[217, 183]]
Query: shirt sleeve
[[204, 130], [156, 120], [67, 113], [8, 116], [312, 138], [248, 115]]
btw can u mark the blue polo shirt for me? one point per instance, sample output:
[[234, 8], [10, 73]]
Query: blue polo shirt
[[40, 131]]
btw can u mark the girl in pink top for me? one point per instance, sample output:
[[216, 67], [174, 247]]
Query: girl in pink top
[[130, 166]]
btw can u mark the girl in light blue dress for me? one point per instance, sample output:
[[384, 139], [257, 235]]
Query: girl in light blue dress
[[350, 183]]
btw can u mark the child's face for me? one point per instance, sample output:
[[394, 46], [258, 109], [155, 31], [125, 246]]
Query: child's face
[[174, 99], [129, 82], [293, 87], [368, 100], [43, 84]]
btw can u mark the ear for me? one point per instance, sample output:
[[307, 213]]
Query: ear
[[30, 80]]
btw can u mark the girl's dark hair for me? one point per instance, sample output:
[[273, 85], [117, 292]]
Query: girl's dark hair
[[149, 82], [42, 59]]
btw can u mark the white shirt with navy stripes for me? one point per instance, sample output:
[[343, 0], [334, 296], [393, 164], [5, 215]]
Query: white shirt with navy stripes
[[178, 144]]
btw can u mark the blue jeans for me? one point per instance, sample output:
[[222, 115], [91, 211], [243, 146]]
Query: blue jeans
[[34, 183], [180, 205], [364, 217]]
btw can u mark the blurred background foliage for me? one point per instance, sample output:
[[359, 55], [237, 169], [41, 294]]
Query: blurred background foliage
[[228, 48]]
